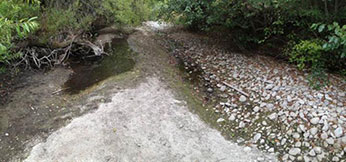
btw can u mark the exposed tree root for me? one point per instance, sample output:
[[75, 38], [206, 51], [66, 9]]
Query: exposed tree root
[[38, 57]]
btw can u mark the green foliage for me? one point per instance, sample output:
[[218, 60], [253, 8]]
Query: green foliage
[[275, 23], [58, 20], [16, 22], [194, 14], [128, 12], [335, 39], [80, 15], [328, 51], [258, 21], [18, 9], [307, 53]]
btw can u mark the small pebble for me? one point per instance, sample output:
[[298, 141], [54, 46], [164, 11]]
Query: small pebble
[[242, 99], [294, 151], [220, 120], [247, 149]]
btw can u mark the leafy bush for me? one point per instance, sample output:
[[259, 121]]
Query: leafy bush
[[257, 21], [17, 21], [334, 44], [328, 51], [307, 53], [79, 15], [58, 20], [128, 12], [194, 14], [335, 39], [18, 9], [275, 23], [61, 17]]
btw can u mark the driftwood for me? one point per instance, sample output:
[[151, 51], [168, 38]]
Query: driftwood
[[98, 49], [240, 91], [40, 57]]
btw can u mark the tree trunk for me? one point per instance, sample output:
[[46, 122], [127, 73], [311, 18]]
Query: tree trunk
[[336, 7], [326, 8]]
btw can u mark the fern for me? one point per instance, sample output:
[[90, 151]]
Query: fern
[[16, 22], [26, 26]]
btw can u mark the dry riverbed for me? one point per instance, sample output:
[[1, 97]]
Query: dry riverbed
[[263, 102], [145, 113]]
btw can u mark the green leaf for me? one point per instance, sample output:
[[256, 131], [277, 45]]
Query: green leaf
[[321, 28], [32, 19], [314, 26], [330, 27], [325, 46]]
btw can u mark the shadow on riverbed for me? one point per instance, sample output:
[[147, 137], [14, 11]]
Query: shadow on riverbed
[[87, 73]]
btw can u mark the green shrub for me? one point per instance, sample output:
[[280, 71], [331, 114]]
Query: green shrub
[[335, 38], [326, 52], [127, 12], [307, 53], [194, 14], [334, 45], [275, 23], [80, 15], [59, 20], [17, 21], [18, 9], [257, 21]]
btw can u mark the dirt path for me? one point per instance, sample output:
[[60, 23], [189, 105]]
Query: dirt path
[[147, 120]]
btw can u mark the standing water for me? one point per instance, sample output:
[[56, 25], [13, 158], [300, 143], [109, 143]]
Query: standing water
[[85, 75]]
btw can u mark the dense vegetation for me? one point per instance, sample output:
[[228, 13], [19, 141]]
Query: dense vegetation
[[312, 31], [47, 23], [17, 20]]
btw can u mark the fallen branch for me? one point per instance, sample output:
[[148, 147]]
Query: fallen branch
[[98, 50], [240, 91], [42, 57]]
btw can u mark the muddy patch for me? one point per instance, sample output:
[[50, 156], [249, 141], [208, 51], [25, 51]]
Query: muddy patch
[[31, 109], [3, 121], [87, 74], [38, 105]]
